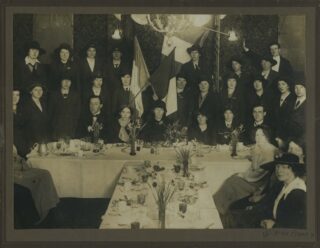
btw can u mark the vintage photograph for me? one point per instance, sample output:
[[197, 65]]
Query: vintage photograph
[[159, 121]]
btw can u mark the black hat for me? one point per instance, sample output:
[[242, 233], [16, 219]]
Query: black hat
[[237, 59], [299, 79], [90, 45], [34, 45], [159, 104], [259, 77], [231, 75], [36, 82], [116, 49], [16, 86], [97, 74], [124, 72], [64, 46], [204, 77], [194, 48], [181, 75], [286, 79], [269, 58], [286, 158]]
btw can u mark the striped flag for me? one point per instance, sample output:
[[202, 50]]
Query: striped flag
[[139, 77]]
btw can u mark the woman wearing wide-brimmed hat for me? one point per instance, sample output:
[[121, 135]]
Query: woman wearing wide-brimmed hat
[[35, 114], [289, 207], [63, 63], [30, 66]]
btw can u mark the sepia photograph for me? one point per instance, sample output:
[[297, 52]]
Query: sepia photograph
[[159, 121]]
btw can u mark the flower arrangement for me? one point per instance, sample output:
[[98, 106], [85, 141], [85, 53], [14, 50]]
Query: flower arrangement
[[162, 193], [134, 128], [95, 130], [173, 133], [184, 154], [235, 134]]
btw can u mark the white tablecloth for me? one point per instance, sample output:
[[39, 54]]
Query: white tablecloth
[[95, 176]]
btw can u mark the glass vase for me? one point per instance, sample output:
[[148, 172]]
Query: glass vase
[[162, 218], [132, 147]]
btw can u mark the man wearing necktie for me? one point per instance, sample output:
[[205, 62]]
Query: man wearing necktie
[[95, 118], [194, 68]]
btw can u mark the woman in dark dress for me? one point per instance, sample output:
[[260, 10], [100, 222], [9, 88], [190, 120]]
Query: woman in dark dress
[[202, 132], [35, 115], [155, 128], [63, 63], [64, 109], [19, 139], [232, 96], [119, 130]]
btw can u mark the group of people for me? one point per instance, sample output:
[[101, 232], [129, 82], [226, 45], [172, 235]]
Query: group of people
[[67, 98]]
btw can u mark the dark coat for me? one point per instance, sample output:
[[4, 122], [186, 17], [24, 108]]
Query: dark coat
[[23, 75], [36, 122], [248, 136], [58, 69], [87, 120], [193, 75], [285, 68], [282, 114], [185, 102], [206, 137], [236, 102], [223, 132], [113, 75], [296, 125], [209, 107], [64, 114], [19, 135], [120, 98], [86, 75], [154, 131]]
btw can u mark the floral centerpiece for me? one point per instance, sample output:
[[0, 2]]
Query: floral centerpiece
[[234, 139], [95, 130], [162, 193], [184, 154], [174, 134], [134, 128]]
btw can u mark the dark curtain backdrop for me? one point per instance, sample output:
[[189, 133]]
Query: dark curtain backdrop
[[258, 30]]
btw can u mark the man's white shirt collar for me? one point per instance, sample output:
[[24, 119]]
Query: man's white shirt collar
[[28, 60]]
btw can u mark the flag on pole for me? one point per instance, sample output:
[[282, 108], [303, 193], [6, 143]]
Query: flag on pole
[[139, 77]]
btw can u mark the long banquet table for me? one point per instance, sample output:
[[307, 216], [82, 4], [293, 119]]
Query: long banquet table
[[94, 175]]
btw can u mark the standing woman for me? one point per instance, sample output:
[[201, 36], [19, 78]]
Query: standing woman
[[63, 63], [35, 115], [254, 179], [19, 139], [119, 131], [232, 96]]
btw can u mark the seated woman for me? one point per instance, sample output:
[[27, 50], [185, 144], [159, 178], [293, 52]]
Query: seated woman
[[119, 130], [252, 180], [225, 127], [289, 207], [155, 128], [201, 132], [35, 115]]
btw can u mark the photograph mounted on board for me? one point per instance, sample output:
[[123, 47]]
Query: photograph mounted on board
[[159, 121]]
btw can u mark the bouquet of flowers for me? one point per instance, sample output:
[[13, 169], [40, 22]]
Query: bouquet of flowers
[[162, 192], [95, 130], [173, 133], [134, 128], [235, 134]]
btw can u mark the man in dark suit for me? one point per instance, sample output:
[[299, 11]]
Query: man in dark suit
[[94, 119], [264, 64], [30, 68], [283, 66], [185, 102], [259, 114], [114, 67], [89, 65], [64, 109], [194, 68], [123, 95]]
